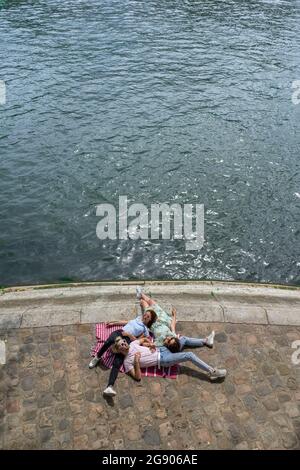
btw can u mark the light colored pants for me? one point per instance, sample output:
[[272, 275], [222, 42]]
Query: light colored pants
[[186, 342], [167, 358]]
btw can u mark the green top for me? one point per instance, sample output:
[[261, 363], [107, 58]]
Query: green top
[[162, 327]]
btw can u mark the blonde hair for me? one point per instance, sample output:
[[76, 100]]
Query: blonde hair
[[115, 347]]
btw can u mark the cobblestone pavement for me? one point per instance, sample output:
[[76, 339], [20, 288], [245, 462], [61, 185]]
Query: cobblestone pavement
[[49, 399]]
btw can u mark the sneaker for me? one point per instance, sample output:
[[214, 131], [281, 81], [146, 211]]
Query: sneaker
[[139, 292], [217, 374], [210, 340], [94, 362], [109, 392]]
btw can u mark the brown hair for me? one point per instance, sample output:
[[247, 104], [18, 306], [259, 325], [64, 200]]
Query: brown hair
[[174, 347], [153, 317]]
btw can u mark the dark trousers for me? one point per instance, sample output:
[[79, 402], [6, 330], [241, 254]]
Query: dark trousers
[[118, 359]]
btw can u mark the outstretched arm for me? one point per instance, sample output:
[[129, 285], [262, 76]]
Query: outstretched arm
[[173, 321], [135, 373], [132, 338], [121, 323]]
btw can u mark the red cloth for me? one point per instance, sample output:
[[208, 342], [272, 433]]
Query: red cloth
[[103, 332]]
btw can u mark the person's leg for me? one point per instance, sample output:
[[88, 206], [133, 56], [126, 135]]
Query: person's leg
[[169, 359], [148, 300], [186, 342], [118, 361], [109, 342], [144, 305]]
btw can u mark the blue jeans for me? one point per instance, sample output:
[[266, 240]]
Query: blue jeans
[[186, 342], [167, 358]]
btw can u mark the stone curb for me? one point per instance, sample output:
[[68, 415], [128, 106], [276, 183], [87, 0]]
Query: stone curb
[[30, 307]]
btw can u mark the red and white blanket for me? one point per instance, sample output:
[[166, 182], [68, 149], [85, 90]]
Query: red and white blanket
[[103, 332]]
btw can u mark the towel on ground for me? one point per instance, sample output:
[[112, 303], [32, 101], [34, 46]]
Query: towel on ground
[[103, 332]]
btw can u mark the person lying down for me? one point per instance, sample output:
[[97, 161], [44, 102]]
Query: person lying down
[[167, 347], [131, 331], [142, 353]]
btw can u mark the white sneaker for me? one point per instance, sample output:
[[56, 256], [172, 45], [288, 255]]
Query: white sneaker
[[217, 374], [210, 340], [94, 362], [109, 392], [139, 292]]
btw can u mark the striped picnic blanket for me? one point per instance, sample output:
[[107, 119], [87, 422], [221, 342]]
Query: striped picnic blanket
[[103, 332]]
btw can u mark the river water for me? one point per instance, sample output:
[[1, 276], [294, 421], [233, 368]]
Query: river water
[[162, 101]]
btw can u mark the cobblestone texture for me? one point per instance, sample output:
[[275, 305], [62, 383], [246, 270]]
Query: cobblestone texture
[[49, 399]]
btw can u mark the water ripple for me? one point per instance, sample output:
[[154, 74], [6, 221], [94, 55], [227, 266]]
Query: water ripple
[[163, 101]]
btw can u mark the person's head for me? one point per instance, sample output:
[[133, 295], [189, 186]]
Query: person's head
[[172, 344], [121, 346], [149, 317]]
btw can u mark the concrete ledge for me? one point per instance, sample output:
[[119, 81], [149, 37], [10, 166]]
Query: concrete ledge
[[195, 301], [287, 316], [47, 317], [199, 312], [96, 312], [246, 314]]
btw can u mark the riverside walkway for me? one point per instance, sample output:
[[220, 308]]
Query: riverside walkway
[[49, 399]]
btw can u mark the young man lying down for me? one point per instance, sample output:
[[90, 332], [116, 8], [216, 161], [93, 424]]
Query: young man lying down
[[142, 353]]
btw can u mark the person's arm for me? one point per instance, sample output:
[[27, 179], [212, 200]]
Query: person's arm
[[133, 338], [141, 336], [135, 373], [173, 321], [112, 323], [130, 336], [147, 343]]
